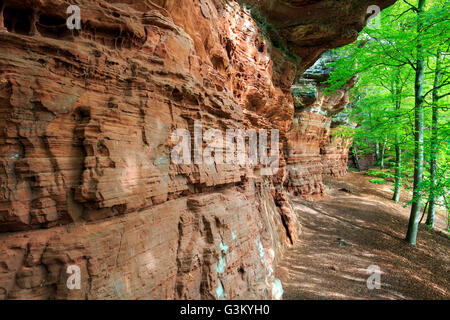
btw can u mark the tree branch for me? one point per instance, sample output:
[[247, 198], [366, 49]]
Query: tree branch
[[412, 7]]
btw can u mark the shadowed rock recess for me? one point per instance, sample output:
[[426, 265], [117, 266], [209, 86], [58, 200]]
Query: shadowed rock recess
[[85, 141]]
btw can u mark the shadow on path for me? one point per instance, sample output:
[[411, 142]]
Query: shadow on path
[[348, 232]]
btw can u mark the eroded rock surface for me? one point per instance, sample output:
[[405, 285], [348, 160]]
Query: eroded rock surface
[[314, 144], [305, 28], [85, 140]]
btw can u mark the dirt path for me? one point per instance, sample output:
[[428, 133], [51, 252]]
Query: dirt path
[[349, 231]]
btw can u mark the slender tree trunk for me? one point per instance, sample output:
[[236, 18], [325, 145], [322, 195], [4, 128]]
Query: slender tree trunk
[[398, 172], [397, 99], [413, 224], [434, 144], [398, 161], [377, 151], [383, 149], [356, 158], [424, 211]]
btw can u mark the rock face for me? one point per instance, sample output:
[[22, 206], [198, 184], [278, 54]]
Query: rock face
[[365, 161], [315, 146], [335, 154], [86, 177], [305, 28]]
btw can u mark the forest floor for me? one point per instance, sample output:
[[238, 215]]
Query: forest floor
[[356, 226]]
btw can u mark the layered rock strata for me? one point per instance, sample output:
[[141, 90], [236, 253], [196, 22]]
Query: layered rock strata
[[86, 177], [315, 146]]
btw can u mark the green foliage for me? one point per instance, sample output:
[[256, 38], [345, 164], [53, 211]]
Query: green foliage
[[377, 181], [383, 100], [343, 131], [375, 172]]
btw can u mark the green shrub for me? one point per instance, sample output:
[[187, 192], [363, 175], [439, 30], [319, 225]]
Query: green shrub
[[375, 172], [378, 181]]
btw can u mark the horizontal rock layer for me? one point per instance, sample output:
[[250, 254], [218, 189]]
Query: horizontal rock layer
[[86, 177]]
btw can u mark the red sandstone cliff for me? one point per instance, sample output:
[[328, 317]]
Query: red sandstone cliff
[[314, 148], [86, 119]]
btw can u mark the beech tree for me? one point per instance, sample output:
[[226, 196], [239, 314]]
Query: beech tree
[[401, 66]]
